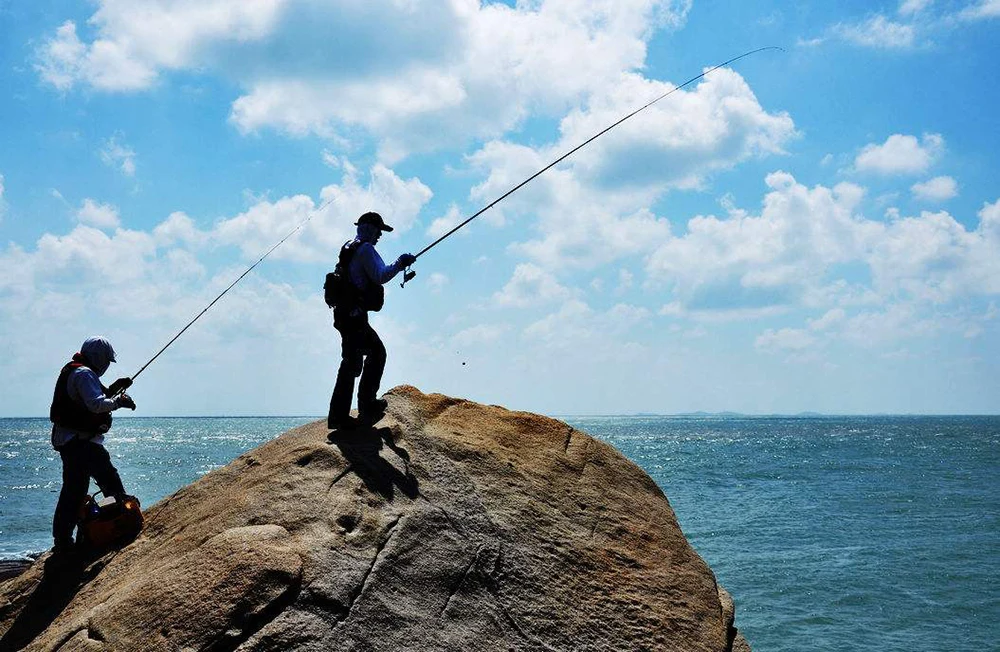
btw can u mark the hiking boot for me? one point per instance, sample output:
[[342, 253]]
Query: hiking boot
[[342, 423], [374, 407], [372, 413]]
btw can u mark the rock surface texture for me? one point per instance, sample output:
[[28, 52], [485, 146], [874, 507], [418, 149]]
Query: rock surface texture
[[449, 525]]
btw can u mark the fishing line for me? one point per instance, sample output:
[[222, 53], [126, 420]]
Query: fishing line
[[221, 294], [499, 199], [409, 275]]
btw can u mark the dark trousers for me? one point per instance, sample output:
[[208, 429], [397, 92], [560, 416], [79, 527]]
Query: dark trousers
[[361, 354], [81, 461]]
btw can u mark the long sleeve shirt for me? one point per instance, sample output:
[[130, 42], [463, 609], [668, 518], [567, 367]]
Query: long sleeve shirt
[[368, 268], [84, 385]]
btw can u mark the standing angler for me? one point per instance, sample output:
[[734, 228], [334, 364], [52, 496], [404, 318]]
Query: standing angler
[[81, 415], [362, 352]]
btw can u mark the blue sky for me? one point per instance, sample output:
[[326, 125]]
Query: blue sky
[[817, 229]]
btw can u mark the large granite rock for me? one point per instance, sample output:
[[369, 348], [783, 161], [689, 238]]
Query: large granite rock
[[450, 525]]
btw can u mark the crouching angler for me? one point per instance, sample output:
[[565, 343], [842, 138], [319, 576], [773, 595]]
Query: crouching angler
[[81, 417], [354, 290]]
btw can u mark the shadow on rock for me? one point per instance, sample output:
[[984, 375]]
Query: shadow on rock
[[62, 578], [361, 448]]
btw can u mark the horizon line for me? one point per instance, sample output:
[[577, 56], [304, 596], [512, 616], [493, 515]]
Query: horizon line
[[699, 413]]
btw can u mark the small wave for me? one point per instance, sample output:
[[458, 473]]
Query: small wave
[[20, 555]]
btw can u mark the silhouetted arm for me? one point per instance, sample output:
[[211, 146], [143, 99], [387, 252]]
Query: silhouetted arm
[[90, 390], [374, 268]]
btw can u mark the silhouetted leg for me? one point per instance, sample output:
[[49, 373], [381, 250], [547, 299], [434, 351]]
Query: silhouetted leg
[[374, 365], [103, 471], [76, 481], [351, 362]]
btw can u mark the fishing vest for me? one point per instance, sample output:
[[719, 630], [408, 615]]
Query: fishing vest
[[73, 414]]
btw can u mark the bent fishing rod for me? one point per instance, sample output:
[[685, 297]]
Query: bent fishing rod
[[267, 253], [409, 274]]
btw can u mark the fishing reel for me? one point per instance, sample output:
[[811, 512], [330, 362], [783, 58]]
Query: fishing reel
[[408, 276]]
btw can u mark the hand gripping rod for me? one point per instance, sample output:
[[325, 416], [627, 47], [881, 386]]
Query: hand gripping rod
[[499, 199], [311, 215]]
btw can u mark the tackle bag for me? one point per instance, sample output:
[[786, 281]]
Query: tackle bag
[[110, 522]]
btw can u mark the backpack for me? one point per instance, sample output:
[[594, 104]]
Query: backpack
[[339, 292]]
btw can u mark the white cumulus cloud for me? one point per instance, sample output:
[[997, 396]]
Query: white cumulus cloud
[[441, 225], [678, 141], [530, 285], [936, 189], [266, 222], [104, 216], [471, 71], [791, 253], [981, 10], [414, 74], [900, 154], [878, 32], [136, 40], [989, 220], [478, 335], [574, 325], [593, 208], [932, 257], [141, 286], [437, 282], [60, 58], [911, 7], [830, 318], [578, 224], [178, 228], [777, 258]]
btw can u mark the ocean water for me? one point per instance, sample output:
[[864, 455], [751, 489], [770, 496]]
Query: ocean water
[[837, 533], [831, 533], [154, 456]]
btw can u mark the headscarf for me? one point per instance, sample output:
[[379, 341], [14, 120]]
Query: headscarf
[[98, 353]]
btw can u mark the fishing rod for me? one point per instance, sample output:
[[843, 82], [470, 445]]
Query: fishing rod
[[409, 274], [301, 224]]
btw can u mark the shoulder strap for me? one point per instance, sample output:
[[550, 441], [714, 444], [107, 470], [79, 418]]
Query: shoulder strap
[[347, 252]]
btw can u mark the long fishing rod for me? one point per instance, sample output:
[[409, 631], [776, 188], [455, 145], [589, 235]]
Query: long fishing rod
[[407, 276], [311, 215]]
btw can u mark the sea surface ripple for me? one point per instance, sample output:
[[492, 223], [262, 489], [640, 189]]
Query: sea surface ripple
[[837, 533], [831, 533]]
